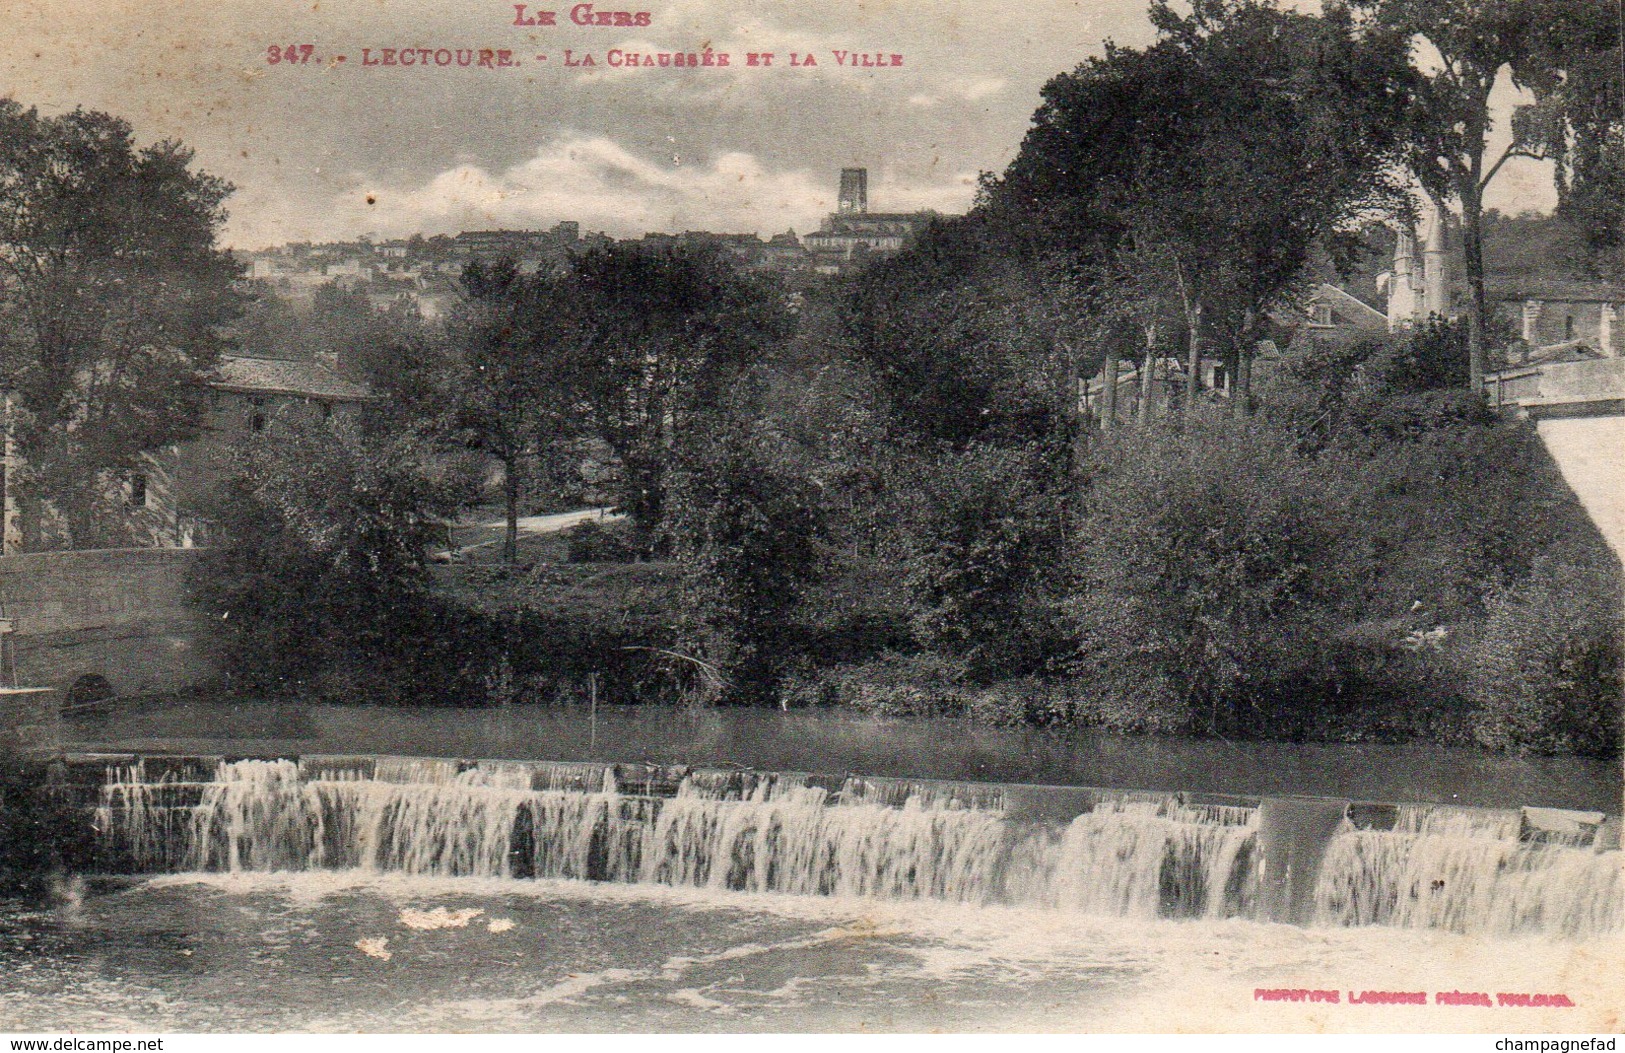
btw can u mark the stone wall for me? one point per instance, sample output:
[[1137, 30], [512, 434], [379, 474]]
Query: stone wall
[[120, 615], [1542, 323]]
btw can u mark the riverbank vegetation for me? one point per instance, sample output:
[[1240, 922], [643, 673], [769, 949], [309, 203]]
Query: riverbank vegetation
[[884, 492]]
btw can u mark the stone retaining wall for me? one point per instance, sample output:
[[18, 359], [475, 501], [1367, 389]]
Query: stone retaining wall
[[120, 615]]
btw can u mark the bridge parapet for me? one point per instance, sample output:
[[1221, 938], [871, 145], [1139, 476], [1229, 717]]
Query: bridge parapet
[[1591, 388]]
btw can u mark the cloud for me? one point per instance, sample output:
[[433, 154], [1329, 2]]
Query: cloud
[[746, 148], [597, 182], [602, 185], [740, 149], [981, 89]]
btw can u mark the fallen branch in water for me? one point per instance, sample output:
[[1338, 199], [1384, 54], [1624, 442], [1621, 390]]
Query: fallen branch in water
[[714, 677]]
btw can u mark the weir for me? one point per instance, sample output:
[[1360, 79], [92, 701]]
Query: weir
[[1072, 849]]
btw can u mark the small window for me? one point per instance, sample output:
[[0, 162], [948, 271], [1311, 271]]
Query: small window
[[256, 421], [326, 410], [138, 490], [1323, 314], [1568, 328]]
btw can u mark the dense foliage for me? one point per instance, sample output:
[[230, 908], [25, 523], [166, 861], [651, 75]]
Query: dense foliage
[[321, 582], [657, 337], [112, 298], [1213, 564], [1194, 178], [747, 532], [1371, 555]]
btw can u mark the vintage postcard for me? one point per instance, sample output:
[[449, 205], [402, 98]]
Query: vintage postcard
[[722, 516]]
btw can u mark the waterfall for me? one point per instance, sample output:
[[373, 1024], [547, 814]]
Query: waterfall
[[1148, 855], [1468, 879], [793, 839], [1135, 855]]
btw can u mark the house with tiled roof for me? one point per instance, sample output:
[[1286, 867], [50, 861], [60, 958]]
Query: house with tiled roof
[[248, 393], [158, 503]]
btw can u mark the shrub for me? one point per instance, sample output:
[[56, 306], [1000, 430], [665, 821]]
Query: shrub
[[1544, 667], [540, 634], [593, 542], [1212, 566], [1454, 500], [1431, 357], [746, 529], [893, 685], [1372, 387], [981, 543], [931, 685], [320, 580]]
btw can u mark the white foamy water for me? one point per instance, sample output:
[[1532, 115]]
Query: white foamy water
[[1139, 856], [683, 958], [1468, 884], [1144, 858]]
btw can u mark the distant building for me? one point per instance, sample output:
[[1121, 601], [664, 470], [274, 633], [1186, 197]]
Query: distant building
[[349, 271], [852, 234], [249, 391], [521, 245], [247, 395], [1552, 316], [1334, 311], [782, 252]]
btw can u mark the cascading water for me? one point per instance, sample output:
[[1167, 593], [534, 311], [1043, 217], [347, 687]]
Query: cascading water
[[1467, 873], [1148, 857], [1126, 855]]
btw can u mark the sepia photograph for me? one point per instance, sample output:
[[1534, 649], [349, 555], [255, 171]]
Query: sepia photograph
[[840, 516]]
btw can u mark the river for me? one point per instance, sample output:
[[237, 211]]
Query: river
[[839, 742], [341, 893], [279, 952]]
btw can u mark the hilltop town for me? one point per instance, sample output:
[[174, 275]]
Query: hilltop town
[[424, 272]]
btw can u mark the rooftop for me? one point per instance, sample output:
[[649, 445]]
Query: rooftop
[[283, 376], [1561, 290]]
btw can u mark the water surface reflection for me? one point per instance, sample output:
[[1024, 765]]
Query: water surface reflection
[[841, 742]]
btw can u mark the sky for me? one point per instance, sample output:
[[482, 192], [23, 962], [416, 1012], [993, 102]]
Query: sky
[[325, 150]]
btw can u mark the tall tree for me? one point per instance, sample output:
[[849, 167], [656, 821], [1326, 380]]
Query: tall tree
[[503, 390], [1579, 122], [320, 578], [112, 295], [1460, 50], [965, 334], [658, 336], [1221, 155]]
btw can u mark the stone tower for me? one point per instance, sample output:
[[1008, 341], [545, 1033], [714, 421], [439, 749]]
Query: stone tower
[[1423, 274], [1437, 232], [854, 191], [1403, 284]]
